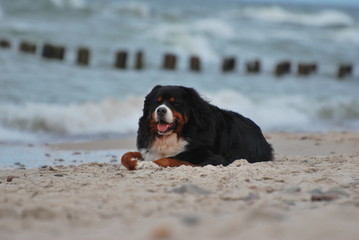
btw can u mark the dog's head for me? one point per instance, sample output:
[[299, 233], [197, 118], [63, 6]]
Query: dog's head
[[168, 109]]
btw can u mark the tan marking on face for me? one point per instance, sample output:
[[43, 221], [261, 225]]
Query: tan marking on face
[[153, 124], [181, 120]]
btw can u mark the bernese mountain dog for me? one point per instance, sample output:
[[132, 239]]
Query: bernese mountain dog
[[178, 127]]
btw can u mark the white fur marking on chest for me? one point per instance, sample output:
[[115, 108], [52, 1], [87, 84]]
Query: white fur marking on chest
[[166, 146]]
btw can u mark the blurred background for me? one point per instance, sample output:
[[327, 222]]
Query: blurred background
[[45, 100]]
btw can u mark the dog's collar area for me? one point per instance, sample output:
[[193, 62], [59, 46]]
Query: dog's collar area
[[164, 128]]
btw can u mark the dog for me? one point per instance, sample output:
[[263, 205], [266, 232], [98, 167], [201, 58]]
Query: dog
[[178, 127]]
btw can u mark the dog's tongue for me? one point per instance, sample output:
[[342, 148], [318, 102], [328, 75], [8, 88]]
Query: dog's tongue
[[162, 127]]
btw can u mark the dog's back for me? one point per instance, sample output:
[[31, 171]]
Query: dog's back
[[239, 137]]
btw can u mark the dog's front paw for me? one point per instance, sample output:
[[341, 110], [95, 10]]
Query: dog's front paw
[[130, 160]]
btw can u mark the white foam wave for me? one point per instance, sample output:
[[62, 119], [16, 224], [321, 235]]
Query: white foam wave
[[269, 114], [112, 116], [13, 135], [194, 37], [292, 113], [179, 38], [348, 35], [338, 110], [214, 28], [319, 19], [69, 4], [139, 9], [107, 116]]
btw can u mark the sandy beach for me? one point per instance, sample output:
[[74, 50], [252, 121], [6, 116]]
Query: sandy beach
[[310, 191]]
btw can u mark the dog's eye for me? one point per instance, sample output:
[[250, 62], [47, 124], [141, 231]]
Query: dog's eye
[[159, 99], [174, 102]]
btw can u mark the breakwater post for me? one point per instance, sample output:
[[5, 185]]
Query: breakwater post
[[228, 64], [83, 56], [121, 59], [5, 43], [53, 51], [139, 61], [169, 61], [344, 70], [253, 66], [195, 64], [27, 47], [282, 68], [305, 69]]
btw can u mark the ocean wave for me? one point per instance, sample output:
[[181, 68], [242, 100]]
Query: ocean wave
[[34, 121], [107, 116], [139, 9], [193, 37], [323, 18], [14, 135], [292, 112], [338, 110], [213, 27], [68, 4], [181, 40], [348, 35], [270, 114]]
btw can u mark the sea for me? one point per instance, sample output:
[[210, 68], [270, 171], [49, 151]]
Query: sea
[[53, 101]]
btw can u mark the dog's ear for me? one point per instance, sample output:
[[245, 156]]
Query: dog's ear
[[153, 92], [149, 99], [156, 87], [199, 108]]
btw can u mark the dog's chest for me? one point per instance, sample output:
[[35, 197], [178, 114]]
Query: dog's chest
[[166, 146]]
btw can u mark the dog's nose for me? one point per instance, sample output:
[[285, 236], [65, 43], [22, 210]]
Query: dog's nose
[[161, 111]]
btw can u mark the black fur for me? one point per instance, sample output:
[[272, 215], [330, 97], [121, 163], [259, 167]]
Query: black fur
[[215, 136]]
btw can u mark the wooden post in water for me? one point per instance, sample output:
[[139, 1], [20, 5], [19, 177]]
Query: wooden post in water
[[305, 69], [169, 61], [253, 67], [228, 64], [27, 47], [83, 56], [47, 51], [282, 68], [53, 52], [5, 43], [139, 61], [121, 59], [344, 70], [195, 64], [60, 52], [313, 67]]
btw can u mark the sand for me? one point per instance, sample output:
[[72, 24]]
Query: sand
[[311, 191]]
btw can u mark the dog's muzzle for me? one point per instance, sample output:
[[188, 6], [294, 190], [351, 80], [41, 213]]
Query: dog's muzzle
[[164, 119]]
